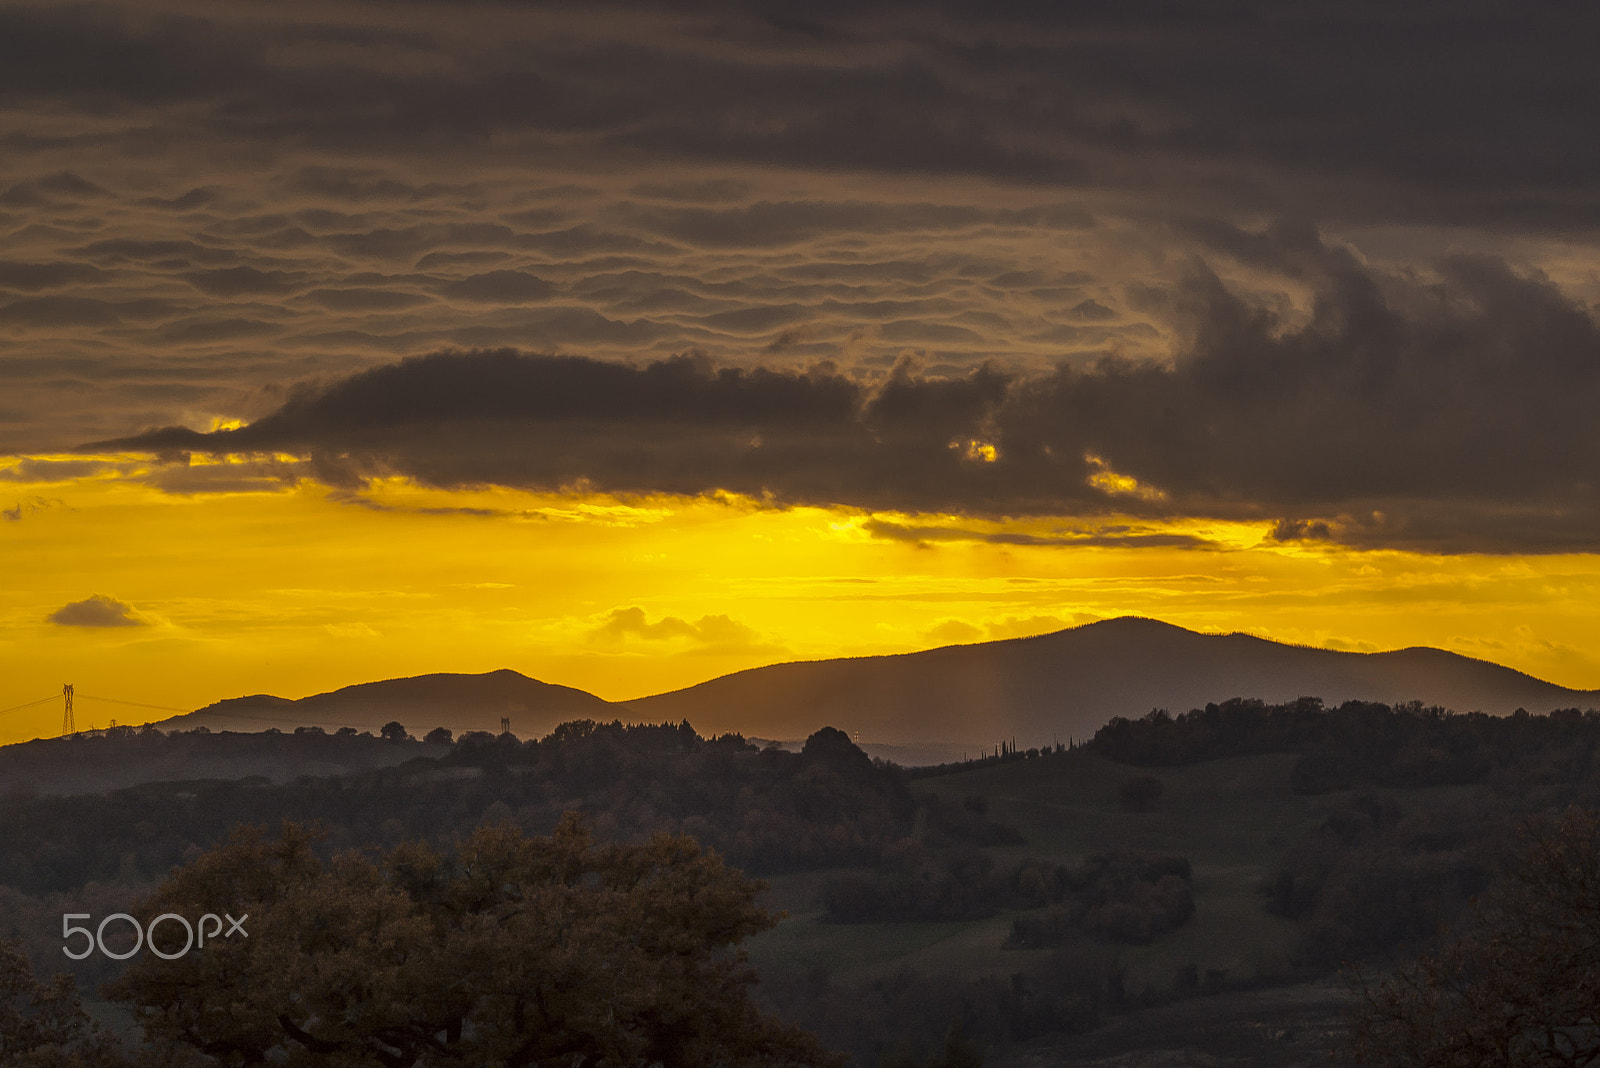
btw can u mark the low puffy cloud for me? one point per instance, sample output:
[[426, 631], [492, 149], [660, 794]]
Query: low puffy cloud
[[960, 632], [954, 632], [97, 611], [711, 633]]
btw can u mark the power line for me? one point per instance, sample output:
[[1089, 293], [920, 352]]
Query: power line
[[135, 704], [30, 704], [181, 711]]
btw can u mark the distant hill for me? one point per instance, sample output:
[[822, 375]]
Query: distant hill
[[934, 704], [94, 762], [421, 703], [1071, 682]]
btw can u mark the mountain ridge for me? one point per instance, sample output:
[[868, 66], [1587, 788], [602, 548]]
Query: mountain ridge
[[1038, 689]]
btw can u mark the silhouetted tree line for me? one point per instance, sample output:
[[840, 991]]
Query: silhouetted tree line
[[1362, 743], [763, 809], [766, 810], [1004, 753], [96, 761]]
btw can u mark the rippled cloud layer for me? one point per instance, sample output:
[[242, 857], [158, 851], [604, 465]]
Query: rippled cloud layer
[[1328, 267]]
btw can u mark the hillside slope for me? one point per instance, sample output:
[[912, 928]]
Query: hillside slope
[[459, 702], [1070, 682]]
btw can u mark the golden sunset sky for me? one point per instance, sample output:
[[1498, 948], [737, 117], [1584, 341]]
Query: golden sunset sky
[[628, 347]]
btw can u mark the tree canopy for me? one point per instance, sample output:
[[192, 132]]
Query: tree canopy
[[1520, 986], [42, 1025], [507, 951]]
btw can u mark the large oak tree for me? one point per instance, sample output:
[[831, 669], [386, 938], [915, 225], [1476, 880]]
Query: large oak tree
[[1520, 987], [508, 951]]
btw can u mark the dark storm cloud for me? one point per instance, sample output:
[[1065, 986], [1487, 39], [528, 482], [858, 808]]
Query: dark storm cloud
[[1454, 414], [200, 203], [676, 426], [1482, 110]]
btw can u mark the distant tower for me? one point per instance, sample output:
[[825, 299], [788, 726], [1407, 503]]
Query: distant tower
[[505, 724], [67, 726]]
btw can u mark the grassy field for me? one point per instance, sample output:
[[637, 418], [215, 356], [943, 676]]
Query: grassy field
[[1232, 818]]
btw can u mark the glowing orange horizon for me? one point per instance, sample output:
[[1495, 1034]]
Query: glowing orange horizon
[[244, 586]]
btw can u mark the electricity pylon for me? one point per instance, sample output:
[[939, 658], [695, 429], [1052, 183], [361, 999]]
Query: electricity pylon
[[67, 726]]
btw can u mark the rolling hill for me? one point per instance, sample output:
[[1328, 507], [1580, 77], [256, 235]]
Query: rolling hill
[[1072, 681], [935, 703], [459, 702]]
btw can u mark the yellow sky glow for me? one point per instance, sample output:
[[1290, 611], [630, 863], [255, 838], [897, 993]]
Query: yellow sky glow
[[302, 588]]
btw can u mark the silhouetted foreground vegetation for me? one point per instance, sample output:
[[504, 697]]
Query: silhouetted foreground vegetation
[[43, 1025], [1519, 985], [509, 951], [768, 809], [1381, 823]]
